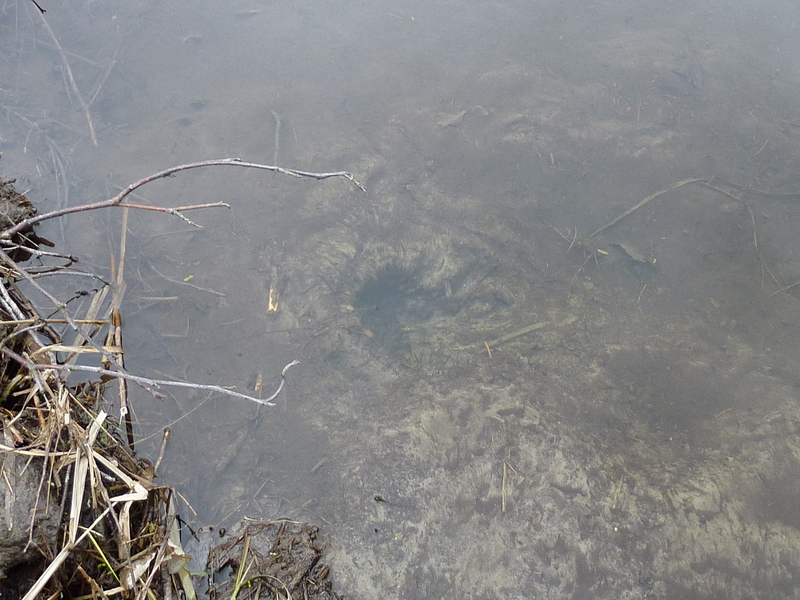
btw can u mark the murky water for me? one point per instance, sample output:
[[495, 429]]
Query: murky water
[[641, 442]]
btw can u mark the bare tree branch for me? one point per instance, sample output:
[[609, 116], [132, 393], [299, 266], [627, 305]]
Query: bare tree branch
[[117, 200], [146, 381]]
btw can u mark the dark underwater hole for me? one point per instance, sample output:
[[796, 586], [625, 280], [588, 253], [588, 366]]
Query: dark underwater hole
[[394, 301]]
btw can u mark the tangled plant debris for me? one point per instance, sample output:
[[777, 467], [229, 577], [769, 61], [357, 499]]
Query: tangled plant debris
[[84, 517]]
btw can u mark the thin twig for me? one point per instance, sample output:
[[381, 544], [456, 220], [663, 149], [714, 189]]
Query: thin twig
[[786, 288], [117, 200], [762, 148], [111, 64], [187, 283], [277, 118], [39, 253], [747, 206], [641, 204], [147, 381], [71, 79], [164, 439], [514, 335]]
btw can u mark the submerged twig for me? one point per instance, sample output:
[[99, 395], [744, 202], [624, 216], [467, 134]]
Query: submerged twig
[[187, 283], [742, 190], [277, 118], [515, 334], [71, 79], [147, 381], [641, 204]]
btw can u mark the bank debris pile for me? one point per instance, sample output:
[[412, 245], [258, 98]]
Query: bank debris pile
[[269, 559], [80, 514]]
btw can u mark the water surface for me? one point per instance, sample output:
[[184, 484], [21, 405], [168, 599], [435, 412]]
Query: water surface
[[642, 443]]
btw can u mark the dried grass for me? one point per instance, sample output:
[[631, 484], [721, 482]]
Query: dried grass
[[113, 538], [118, 534]]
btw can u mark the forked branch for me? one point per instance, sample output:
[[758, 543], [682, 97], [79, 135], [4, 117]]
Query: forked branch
[[118, 199]]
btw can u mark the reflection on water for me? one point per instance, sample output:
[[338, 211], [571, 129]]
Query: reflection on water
[[641, 443]]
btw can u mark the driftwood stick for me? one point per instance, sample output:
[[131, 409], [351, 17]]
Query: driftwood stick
[[117, 200]]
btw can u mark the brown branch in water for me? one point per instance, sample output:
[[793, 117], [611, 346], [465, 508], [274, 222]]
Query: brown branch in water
[[118, 199]]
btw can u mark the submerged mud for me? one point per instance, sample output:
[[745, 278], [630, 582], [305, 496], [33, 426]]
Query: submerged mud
[[542, 412]]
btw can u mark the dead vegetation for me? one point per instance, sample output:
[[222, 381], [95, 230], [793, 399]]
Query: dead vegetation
[[83, 516], [112, 518], [116, 531]]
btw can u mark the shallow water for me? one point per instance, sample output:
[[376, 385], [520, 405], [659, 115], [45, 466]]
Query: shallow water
[[642, 443]]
